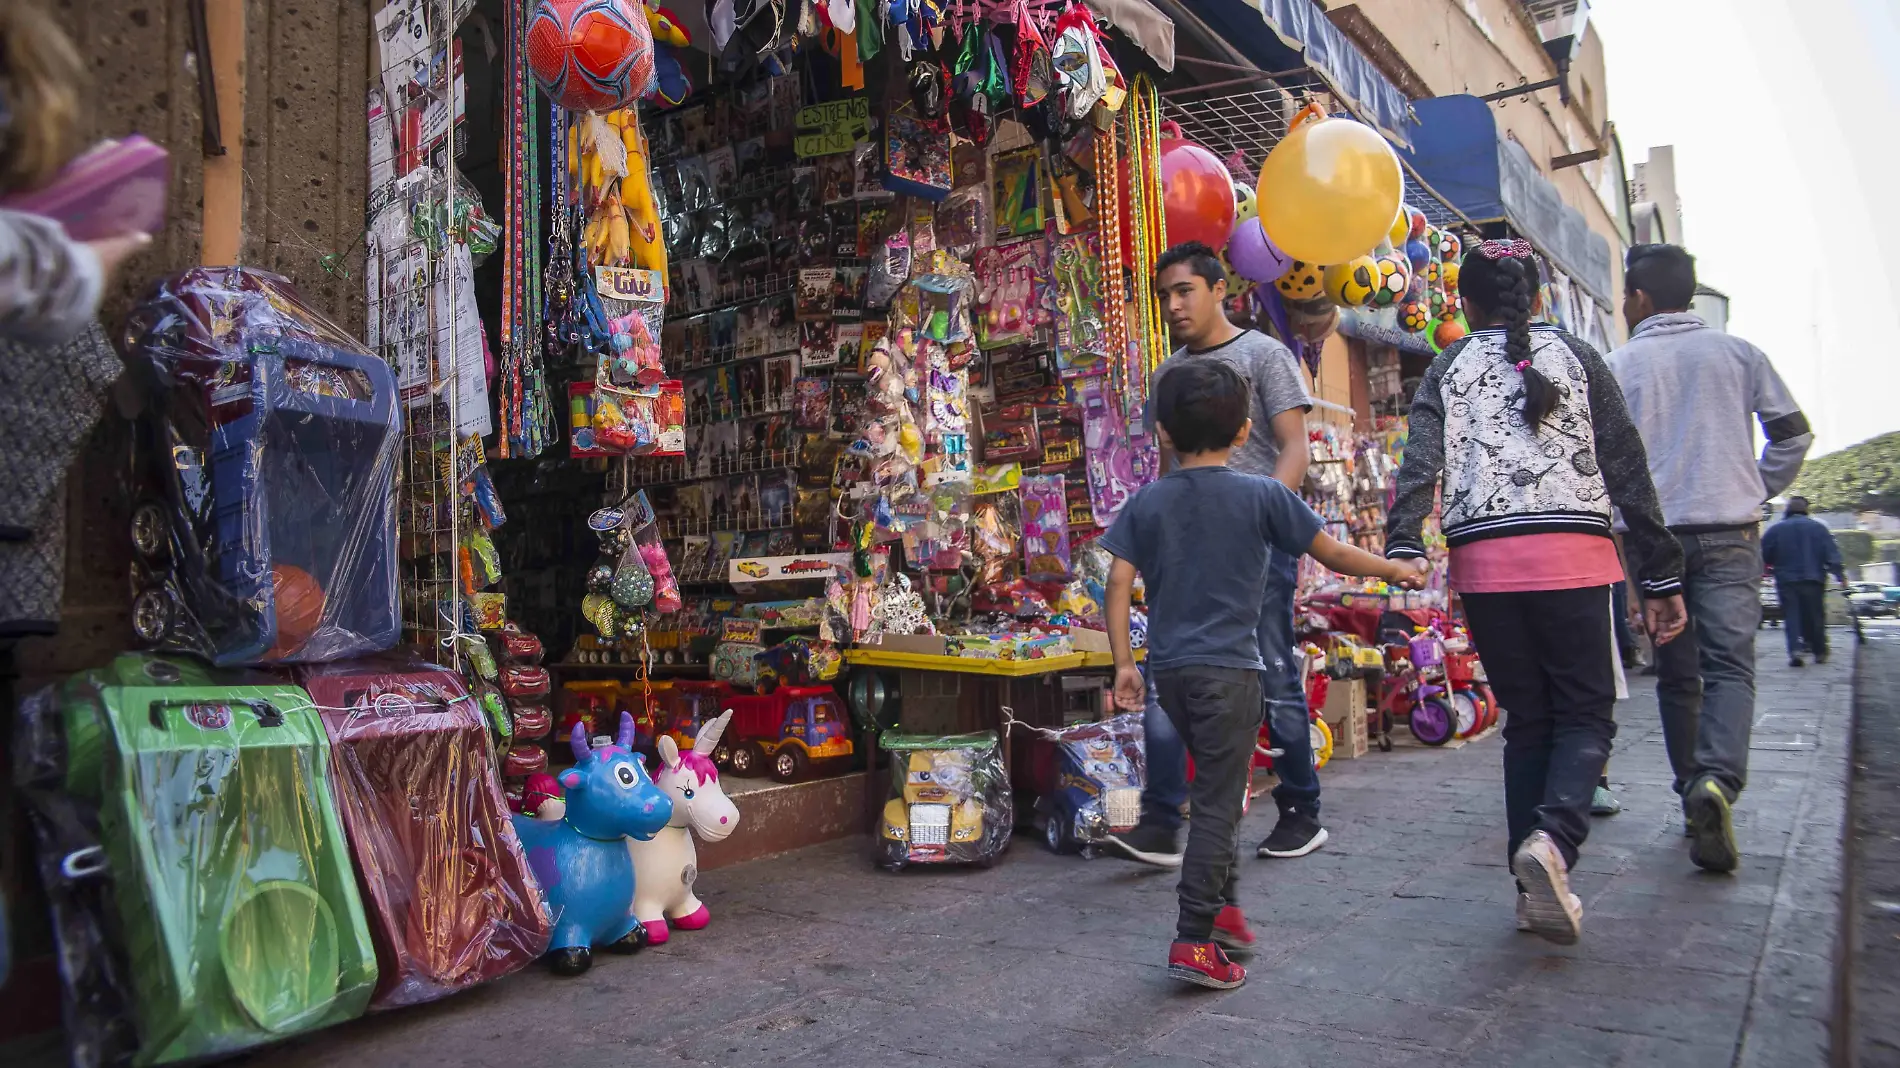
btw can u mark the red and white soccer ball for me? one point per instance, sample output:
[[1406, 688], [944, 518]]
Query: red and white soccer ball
[[591, 55]]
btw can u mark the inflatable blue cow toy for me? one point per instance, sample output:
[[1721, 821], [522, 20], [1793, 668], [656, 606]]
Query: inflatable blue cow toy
[[581, 859]]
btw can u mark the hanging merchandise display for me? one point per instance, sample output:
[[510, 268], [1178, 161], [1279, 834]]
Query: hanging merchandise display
[[1330, 189]]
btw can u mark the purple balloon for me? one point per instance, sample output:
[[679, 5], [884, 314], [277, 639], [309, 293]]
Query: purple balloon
[[1254, 255]]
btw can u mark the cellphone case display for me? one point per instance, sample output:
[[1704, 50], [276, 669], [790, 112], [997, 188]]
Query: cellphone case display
[[950, 801], [449, 896], [214, 904], [268, 532]]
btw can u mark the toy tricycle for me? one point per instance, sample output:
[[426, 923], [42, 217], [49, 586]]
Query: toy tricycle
[[951, 801], [1100, 768]]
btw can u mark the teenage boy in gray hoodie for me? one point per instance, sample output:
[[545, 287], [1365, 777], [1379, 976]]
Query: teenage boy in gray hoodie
[[1692, 391]]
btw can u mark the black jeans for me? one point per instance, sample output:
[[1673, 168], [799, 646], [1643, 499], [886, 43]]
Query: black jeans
[[1548, 656], [1803, 615], [1217, 711]]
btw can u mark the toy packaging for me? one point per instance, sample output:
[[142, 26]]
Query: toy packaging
[[201, 885], [950, 801], [447, 888], [266, 528], [1100, 769]]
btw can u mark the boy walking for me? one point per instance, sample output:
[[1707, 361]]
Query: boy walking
[[1201, 538]]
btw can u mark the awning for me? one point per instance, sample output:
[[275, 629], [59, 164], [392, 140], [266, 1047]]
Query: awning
[[1456, 148], [1299, 35], [1143, 23]]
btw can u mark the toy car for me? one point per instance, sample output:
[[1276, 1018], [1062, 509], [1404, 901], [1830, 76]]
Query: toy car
[[785, 732], [1097, 793], [952, 801], [800, 661], [690, 705]]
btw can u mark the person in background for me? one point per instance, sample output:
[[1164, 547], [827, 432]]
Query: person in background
[[1801, 553], [1526, 428], [1201, 538], [1692, 391], [1193, 288]]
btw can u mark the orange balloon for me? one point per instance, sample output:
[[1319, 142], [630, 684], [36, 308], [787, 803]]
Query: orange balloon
[[299, 604], [1330, 190]]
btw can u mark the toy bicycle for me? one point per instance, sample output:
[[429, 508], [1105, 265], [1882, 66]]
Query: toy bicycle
[[1415, 688]]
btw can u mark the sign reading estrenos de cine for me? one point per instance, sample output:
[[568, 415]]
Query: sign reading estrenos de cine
[[827, 129]]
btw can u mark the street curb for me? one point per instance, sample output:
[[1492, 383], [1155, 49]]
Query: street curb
[[1865, 971]]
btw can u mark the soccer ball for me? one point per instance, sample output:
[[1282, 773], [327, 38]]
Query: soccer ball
[[1246, 203], [1449, 247], [591, 55], [1302, 281], [1413, 318], [1395, 277], [1353, 284]]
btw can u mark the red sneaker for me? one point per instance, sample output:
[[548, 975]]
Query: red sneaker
[[1203, 964], [1231, 932]]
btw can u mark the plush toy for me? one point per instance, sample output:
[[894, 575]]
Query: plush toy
[[671, 82], [582, 861]]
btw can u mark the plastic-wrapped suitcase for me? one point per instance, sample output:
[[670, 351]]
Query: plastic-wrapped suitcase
[[450, 899], [216, 904], [266, 529]]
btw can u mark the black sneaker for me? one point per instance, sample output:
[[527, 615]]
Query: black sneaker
[[1795, 661], [1820, 658], [1296, 835], [1149, 844]]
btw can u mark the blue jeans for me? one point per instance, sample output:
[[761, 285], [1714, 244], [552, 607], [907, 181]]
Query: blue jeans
[[1167, 788], [1705, 679]]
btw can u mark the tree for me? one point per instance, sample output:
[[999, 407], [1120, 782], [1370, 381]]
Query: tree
[[1859, 478]]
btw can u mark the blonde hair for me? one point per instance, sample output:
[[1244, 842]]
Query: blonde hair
[[40, 74]]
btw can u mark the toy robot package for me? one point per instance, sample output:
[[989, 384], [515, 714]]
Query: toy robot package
[[265, 530], [950, 803]]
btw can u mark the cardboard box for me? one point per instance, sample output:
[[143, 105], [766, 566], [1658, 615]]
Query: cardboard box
[[1345, 713], [927, 644], [1085, 640]]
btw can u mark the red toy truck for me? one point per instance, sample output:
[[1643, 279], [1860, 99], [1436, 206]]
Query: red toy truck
[[784, 732]]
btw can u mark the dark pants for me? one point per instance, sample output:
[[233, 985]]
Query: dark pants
[[1217, 713], [1705, 679], [1804, 614], [1548, 656]]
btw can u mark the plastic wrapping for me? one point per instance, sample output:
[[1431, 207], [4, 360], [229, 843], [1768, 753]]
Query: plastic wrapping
[[950, 801], [1100, 770], [449, 897], [202, 889], [266, 526]]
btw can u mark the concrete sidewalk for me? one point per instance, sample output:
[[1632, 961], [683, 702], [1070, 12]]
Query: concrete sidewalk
[[1394, 945]]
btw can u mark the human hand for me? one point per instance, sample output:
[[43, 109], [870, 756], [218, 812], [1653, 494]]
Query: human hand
[[1131, 690], [1409, 574], [1664, 618], [115, 250]]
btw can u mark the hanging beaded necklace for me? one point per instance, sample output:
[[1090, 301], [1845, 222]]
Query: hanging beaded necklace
[[1108, 210], [1150, 239]]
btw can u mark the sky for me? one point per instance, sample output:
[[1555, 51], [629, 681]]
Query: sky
[[1786, 125]]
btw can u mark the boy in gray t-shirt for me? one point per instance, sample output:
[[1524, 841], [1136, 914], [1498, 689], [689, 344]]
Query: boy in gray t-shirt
[[1276, 387]]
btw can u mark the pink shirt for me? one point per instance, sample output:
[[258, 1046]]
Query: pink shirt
[[1535, 562]]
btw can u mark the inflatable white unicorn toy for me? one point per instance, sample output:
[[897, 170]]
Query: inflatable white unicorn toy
[[665, 867]]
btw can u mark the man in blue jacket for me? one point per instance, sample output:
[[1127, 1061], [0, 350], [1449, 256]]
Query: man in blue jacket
[[1801, 552]]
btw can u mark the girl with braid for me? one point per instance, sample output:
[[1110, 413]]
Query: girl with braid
[[1527, 430]]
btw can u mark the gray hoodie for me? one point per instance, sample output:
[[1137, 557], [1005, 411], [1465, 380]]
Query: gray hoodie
[[1695, 394]]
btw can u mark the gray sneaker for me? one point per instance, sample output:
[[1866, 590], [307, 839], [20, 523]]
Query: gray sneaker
[[1549, 908], [1711, 827], [1604, 803]]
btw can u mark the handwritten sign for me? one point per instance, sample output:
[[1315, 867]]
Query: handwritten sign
[[828, 129], [630, 284]]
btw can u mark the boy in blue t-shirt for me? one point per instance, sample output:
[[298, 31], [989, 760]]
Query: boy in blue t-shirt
[[1200, 537]]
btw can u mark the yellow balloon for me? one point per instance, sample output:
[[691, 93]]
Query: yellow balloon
[[1245, 205], [1354, 283], [1401, 228], [1330, 190], [1302, 281]]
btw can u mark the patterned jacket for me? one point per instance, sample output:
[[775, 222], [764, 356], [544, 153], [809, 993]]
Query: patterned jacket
[[1502, 479]]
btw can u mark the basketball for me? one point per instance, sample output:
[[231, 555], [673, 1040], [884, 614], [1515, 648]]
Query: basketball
[[591, 55], [299, 605]]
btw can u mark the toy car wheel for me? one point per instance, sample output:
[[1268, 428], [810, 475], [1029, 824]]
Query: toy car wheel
[[149, 533], [722, 756], [153, 613], [1055, 834], [748, 758], [1385, 743], [789, 763], [767, 683]]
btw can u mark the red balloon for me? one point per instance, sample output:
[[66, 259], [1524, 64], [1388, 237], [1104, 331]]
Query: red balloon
[[1198, 193]]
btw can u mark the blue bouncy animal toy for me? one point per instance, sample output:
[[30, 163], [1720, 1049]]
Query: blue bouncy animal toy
[[581, 860]]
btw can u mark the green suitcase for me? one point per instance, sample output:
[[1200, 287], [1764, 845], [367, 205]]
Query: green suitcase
[[238, 905]]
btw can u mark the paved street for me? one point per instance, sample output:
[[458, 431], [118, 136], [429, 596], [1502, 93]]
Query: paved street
[[1391, 946]]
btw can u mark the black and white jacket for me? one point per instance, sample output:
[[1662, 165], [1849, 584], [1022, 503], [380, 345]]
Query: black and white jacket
[[1502, 478]]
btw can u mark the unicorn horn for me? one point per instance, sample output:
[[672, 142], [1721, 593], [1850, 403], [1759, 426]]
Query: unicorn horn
[[625, 738], [578, 741], [708, 739]]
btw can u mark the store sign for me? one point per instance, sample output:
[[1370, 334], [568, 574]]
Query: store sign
[[786, 568], [828, 129]]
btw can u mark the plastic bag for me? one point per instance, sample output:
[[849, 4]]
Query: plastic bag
[[201, 881], [265, 530], [449, 896], [1100, 769], [950, 801]]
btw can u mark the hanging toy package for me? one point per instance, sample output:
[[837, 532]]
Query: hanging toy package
[[1045, 528]]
